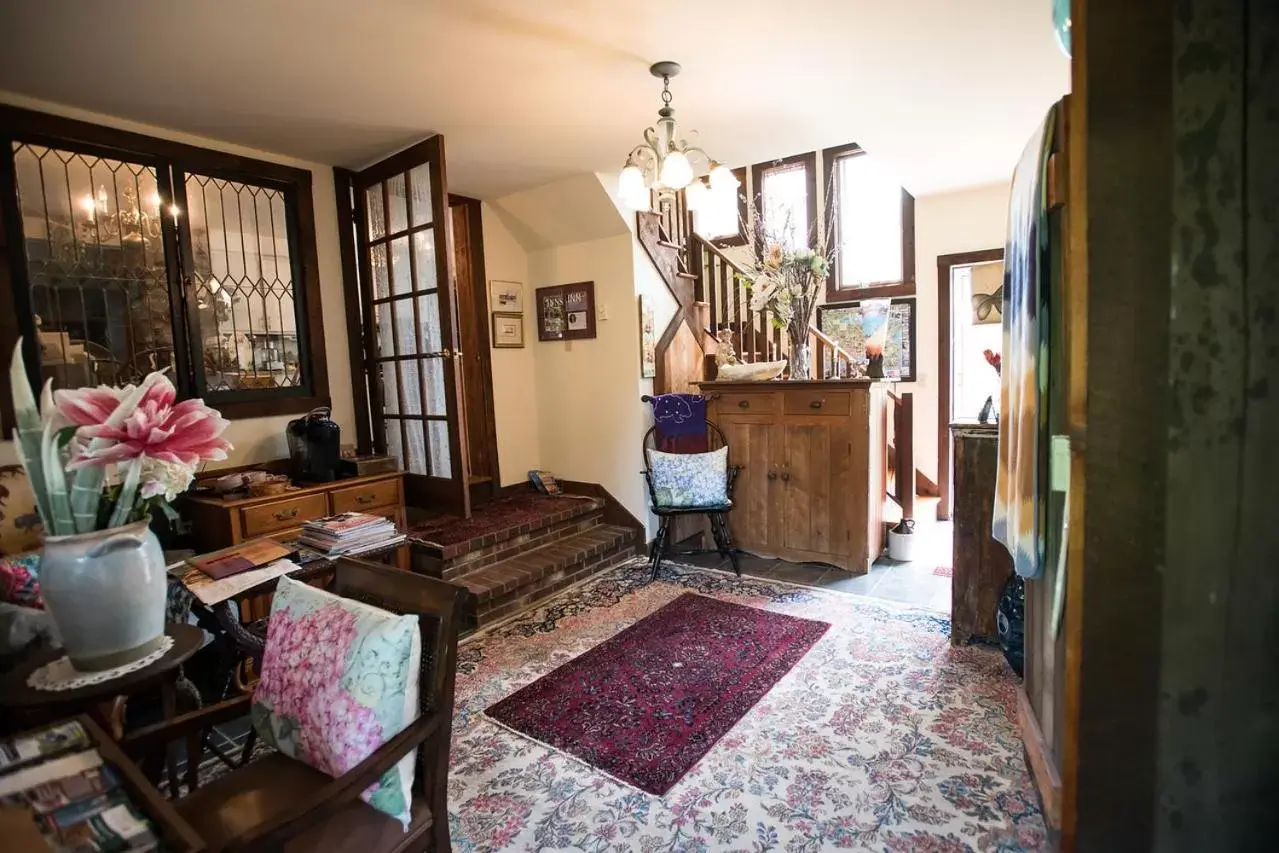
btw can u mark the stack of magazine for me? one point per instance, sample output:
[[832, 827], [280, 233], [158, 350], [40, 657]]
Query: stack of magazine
[[72, 800], [350, 533]]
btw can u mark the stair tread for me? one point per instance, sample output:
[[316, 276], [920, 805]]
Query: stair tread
[[529, 566], [575, 506]]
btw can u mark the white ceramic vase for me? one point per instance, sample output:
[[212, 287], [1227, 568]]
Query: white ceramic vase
[[106, 592]]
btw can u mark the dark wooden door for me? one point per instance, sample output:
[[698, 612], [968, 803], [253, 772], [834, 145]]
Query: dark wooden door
[[472, 314], [816, 468], [756, 512], [409, 296]]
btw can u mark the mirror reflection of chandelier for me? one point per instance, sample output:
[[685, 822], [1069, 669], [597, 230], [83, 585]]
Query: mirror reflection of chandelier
[[130, 222], [666, 163]]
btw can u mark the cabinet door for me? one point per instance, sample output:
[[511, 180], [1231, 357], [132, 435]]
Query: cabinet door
[[755, 512], [816, 456]]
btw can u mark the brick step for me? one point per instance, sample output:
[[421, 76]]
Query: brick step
[[521, 543], [502, 588], [444, 560]]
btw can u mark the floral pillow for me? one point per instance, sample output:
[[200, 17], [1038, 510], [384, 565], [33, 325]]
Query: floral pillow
[[689, 479], [339, 679], [20, 580]]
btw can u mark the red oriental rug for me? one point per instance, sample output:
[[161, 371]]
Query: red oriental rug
[[645, 705]]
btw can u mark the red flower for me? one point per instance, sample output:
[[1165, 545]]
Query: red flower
[[994, 359]]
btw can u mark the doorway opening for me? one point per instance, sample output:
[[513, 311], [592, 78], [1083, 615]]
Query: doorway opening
[[970, 339]]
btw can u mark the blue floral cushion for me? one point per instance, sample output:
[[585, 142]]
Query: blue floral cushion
[[690, 479], [339, 679]]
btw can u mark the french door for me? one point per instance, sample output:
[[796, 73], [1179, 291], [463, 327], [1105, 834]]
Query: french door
[[408, 296]]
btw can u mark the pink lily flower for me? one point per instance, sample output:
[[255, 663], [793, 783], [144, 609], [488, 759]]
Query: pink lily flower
[[184, 433], [89, 406]]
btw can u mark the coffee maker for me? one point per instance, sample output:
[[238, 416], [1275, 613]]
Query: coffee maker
[[315, 446]]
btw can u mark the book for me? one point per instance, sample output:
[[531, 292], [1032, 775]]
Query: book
[[253, 554], [50, 771], [211, 591], [46, 743], [109, 824], [349, 533], [89, 784], [544, 482]]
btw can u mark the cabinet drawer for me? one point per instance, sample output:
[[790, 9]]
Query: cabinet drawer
[[280, 515], [743, 404], [367, 497], [818, 402]]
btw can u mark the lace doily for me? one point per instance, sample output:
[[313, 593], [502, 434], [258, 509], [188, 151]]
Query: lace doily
[[61, 675]]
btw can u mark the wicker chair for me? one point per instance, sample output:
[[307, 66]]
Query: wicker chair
[[661, 548]]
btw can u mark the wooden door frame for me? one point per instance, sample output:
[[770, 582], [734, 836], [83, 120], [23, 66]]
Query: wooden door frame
[[946, 263], [479, 283]]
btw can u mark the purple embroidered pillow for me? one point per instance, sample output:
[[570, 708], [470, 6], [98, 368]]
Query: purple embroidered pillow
[[339, 679], [20, 580]]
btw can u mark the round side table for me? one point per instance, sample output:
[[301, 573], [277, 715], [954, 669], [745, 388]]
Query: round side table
[[97, 699]]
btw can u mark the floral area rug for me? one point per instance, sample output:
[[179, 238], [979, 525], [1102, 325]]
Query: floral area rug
[[883, 737], [647, 703]]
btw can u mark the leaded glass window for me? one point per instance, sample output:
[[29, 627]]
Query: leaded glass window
[[135, 254]]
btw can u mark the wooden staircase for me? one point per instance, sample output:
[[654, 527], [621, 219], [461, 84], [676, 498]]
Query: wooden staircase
[[711, 296]]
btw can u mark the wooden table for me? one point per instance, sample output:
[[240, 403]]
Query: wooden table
[[175, 833]]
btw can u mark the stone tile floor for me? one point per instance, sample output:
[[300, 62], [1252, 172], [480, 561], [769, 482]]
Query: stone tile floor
[[913, 582]]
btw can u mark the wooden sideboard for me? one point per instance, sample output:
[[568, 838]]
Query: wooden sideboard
[[222, 522], [814, 467], [982, 566]]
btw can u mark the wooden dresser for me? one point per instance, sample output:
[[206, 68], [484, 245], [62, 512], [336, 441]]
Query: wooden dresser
[[814, 467], [982, 566], [218, 523]]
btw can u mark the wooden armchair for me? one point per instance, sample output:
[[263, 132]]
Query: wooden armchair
[[279, 804]]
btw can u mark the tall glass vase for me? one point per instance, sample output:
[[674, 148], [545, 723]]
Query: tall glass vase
[[801, 353]]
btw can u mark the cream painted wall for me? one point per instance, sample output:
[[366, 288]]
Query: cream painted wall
[[515, 398], [963, 221], [260, 439], [589, 411]]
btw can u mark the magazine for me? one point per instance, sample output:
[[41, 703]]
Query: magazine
[[50, 771], [211, 591], [55, 740]]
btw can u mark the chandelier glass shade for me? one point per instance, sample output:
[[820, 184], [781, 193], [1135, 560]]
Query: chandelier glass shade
[[665, 162]]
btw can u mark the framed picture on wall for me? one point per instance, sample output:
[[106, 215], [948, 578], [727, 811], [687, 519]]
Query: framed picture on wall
[[508, 330], [566, 312], [842, 321], [506, 296], [648, 339]]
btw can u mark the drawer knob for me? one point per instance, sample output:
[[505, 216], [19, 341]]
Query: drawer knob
[[786, 476], [285, 516], [772, 475], [815, 404], [365, 499], [744, 404]]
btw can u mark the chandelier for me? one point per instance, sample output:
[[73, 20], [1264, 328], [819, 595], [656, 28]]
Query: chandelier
[[666, 163], [128, 222]]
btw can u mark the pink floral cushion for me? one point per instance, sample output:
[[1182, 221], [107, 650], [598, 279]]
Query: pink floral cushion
[[339, 679]]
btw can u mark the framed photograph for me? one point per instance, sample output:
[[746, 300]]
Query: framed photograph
[[508, 330], [648, 339], [987, 287], [842, 321], [506, 296], [566, 312]]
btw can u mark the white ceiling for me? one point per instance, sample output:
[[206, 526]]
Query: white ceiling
[[528, 91]]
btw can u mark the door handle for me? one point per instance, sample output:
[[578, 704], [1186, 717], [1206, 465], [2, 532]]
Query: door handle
[[815, 404], [744, 404]]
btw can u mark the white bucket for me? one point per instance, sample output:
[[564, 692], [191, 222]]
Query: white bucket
[[901, 546]]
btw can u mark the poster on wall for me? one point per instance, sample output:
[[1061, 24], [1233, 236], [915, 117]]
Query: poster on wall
[[566, 312], [842, 321], [648, 339]]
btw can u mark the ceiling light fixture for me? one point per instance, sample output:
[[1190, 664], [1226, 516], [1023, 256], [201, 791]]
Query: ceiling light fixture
[[665, 162]]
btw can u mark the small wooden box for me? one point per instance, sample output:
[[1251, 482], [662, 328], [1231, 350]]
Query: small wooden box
[[366, 466]]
